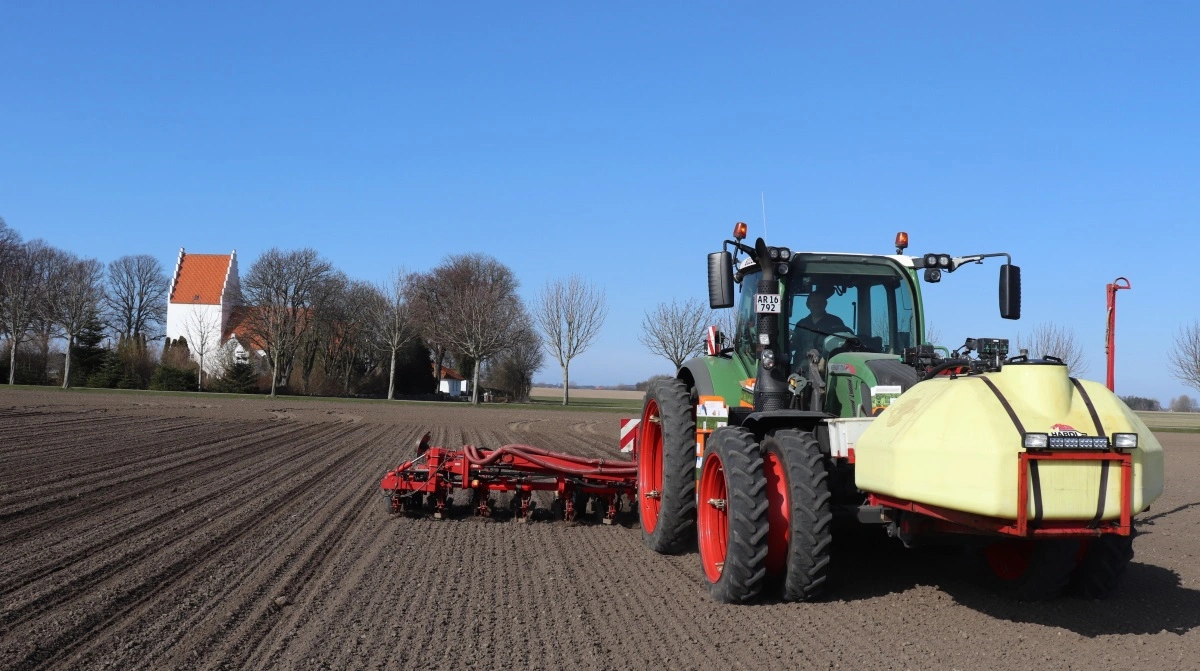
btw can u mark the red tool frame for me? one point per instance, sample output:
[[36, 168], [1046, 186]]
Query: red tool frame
[[954, 521], [522, 469]]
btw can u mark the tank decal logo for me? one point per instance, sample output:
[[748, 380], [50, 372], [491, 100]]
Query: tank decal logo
[[1065, 430]]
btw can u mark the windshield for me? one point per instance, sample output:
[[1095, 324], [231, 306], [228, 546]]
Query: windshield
[[833, 298]]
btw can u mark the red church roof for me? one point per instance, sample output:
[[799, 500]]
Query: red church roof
[[449, 374], [200, 278]]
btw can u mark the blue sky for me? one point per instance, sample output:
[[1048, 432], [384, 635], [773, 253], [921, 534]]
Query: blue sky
[[623, 140]]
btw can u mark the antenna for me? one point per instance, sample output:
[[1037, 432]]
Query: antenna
[[764, 210]]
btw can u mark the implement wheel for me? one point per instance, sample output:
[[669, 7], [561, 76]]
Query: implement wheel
[[800, 518], [732, 516], [1102, 565], [1030, 570], [667, 468]]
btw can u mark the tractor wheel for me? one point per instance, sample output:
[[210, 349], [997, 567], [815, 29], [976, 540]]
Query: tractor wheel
[[1103, 564], [732, 516], [667, 468], [799, 513], [1030, 570], [389, 504]]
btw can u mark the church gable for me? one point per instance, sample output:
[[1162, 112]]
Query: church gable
[[200, 279]]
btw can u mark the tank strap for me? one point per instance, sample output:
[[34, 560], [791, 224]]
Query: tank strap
[[1091, 408], [1104, 464], [1034, 476]]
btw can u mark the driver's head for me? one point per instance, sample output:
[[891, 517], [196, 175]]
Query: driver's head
[[816, 305]]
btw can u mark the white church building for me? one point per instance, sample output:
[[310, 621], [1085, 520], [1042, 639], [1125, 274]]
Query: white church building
[[204, 294]]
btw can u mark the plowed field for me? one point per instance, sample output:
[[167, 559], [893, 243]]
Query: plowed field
[[142, 531]]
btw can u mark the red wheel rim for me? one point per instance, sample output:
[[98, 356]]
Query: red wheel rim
[[778, 514], [650, 466], [1009, 560], [713, 518]]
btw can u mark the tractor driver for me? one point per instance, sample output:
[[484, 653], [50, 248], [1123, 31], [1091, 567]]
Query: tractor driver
[[821, 324]]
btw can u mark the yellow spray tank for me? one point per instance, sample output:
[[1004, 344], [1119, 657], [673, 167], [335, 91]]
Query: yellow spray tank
[[954, 443]]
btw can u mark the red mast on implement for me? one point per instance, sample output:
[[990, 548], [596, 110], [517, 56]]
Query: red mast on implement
[[1110, 345]]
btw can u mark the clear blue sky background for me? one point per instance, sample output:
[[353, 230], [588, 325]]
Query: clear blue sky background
[[622, 140]]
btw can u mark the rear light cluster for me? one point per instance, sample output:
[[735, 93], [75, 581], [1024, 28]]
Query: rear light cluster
[[1047, 442]]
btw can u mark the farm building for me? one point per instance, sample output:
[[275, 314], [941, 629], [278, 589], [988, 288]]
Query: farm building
[[450, 382], [203, 297]]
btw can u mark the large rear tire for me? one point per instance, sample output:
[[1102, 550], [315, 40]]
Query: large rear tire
[[799, 512], [1030, 570], [1102, 566], [732, 516], [667, 468]]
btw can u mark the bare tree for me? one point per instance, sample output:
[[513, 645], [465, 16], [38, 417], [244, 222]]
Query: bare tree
[[427, 294], [22, 291], [279, 290], [1184, 403], [478, 308], [51, 264], [392, 321], [136, 301], [81, 291], [10, 240], [933, 334], [569, 313], [676, 331], [1056, 341], [203, 332], [346, 328], [1185, 357], [513, 370], [326, 296]]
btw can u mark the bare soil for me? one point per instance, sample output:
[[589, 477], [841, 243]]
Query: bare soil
[[143, 531]]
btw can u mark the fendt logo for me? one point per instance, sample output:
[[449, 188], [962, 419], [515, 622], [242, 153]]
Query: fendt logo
[[1065, 430]]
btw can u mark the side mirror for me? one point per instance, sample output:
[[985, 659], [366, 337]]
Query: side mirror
[[1010, 291], [720, 280]]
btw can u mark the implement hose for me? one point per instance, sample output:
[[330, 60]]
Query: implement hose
[[578, 466]]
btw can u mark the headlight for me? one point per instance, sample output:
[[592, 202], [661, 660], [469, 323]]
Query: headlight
[[785, 254], [774, 253], [1125, 441], [1037, 441], [782, 269], [768, 359], [944, 261]]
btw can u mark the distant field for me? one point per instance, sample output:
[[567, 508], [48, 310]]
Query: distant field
[[551, 392], [1172, 421]]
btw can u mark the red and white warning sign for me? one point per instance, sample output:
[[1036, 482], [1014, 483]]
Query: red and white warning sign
[[629, 434]]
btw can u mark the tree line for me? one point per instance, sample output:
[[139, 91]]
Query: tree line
[[78, 322]]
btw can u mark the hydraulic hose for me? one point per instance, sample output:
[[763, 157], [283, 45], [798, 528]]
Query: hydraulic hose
[[576, 465]]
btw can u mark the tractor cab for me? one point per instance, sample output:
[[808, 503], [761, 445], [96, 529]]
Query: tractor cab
[[828, 333], [837, 313]]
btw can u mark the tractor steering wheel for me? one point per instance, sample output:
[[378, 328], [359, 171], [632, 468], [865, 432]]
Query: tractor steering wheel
[[851, 344]]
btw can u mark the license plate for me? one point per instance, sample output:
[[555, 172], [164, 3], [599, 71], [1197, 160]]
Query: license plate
[[767, 304]]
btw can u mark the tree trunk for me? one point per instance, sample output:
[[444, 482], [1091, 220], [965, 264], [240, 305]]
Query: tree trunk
[[392, 378], [475, 385], [200, 374], [274, 373], [566, 385], [67, 363], [12, 361]]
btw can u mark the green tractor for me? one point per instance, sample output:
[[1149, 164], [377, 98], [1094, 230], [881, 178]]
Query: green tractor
[[827, 405]]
